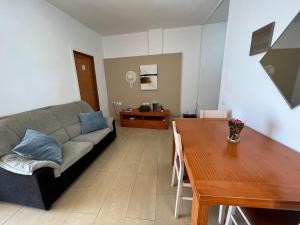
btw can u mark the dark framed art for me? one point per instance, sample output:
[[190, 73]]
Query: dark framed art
[[262, 39]]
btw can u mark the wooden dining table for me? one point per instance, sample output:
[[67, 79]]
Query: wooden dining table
[[258, 172]]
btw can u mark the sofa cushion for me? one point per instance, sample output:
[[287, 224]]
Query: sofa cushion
[[68, 115], [39, 146], [92, 121], [8, 139], [15, 126], [60, 135], [73, 151], [41, 120], [85, 107], [94, 137]]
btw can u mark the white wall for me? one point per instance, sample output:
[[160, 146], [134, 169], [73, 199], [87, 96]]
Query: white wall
[[125, 45], [188, 41], [37, 67], [211, 62], [184, 39], [155, 41], [246, 88]]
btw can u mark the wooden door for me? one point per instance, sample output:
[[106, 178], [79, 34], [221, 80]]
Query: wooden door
[[86, 76]]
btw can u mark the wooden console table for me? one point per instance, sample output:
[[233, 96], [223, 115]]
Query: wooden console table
[[152, 119]]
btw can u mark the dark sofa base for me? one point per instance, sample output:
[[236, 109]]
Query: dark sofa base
[[41, 189]]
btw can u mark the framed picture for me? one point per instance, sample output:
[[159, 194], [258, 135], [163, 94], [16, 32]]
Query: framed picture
[[261, 39], [148, 77]]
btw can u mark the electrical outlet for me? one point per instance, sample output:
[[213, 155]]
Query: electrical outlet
[[117, 103]]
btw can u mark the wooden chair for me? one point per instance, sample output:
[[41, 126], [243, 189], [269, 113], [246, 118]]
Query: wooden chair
[[216, 114], [254, 216], [178, 171], [213, 114]]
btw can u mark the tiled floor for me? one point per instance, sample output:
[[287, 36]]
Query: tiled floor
[[128, 184]]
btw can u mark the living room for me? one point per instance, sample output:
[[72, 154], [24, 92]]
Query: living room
[[176, 59]]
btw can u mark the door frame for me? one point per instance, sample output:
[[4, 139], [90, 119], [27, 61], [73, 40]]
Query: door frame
[[72, 52]]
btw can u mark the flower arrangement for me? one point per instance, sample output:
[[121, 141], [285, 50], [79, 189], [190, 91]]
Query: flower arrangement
[[235, 128]]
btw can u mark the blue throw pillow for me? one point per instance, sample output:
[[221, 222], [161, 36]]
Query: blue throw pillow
[[92, 121], [39, 146]]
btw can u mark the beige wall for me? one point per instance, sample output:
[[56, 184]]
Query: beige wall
[[169, 82]]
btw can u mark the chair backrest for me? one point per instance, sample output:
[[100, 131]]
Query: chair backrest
[[213, 114], [178, 146]]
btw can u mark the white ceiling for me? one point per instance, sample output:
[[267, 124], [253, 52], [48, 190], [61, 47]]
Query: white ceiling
[[220, 14], [109, 17]]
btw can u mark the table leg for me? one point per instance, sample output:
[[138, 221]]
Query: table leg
[[199, 212]]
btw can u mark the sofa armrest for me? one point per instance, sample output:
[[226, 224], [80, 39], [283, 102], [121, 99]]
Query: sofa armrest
[[31, 190], [109, 121], [25, 166]]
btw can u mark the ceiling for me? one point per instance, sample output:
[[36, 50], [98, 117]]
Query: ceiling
[[109, 17], [220, 14]]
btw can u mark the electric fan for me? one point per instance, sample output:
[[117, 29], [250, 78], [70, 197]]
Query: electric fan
[[130, 78]]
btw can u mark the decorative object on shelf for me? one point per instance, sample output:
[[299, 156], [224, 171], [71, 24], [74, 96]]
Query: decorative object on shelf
[[128, 110], [130, 78], [156, 106], [145, 107], [282, 63], [235, 128], [148, 76], [161, 108], [262, 39]]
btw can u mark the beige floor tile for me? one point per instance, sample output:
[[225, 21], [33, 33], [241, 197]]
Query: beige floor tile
[[130, 221], [92, 198], [114, 209], [148, 164], [126, 177], [165, 211], [143, 200], [25, 216], [135, 152], [86, 178], [7, 210], [52, 217], [114, 163], [164, 183], [165, 160], [61, 209], [134, 155], [80, 219], [129, 167]]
